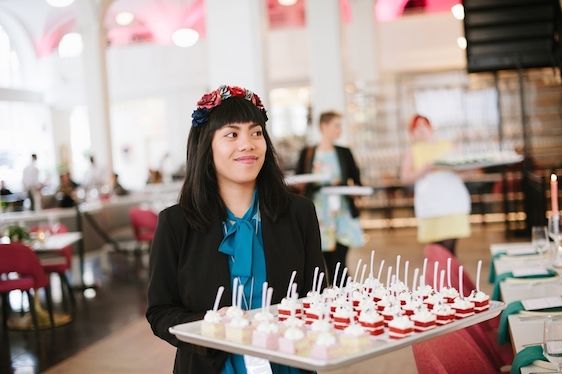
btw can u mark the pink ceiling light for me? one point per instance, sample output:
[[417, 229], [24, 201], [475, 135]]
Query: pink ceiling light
[[387, 10]]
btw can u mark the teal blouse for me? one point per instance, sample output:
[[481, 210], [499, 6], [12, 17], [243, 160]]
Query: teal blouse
[[241, 234]]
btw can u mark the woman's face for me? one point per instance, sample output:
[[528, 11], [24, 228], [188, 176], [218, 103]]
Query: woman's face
[[331, 130], [238, 153]]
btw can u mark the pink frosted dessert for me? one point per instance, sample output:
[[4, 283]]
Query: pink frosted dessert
[[444, 314], [463, 308], [212, 325], [293, 341], [318, 327], [372, 322], [233, 312], [292, 322], [325, 347], [423, 320], [354, 338], [266, 335], [400, 327], [480, 299], [262, 316]]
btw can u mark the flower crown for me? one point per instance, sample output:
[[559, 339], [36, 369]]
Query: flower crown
[[208, 101]]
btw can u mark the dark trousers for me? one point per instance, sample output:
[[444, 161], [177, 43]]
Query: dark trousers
[[332, 258]]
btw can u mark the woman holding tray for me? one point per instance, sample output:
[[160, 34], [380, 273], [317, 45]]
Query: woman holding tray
[[441, 200], [235, 219], [338, 215]]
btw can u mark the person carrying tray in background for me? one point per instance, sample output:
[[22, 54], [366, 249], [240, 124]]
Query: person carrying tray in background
[[235, 219]]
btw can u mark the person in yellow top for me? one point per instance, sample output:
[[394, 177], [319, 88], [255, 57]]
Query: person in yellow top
[[441, 200]]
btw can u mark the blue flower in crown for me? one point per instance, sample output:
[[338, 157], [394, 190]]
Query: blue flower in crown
[[208, 101]]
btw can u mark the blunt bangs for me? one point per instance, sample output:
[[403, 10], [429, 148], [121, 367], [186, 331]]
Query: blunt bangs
[[235, 110]]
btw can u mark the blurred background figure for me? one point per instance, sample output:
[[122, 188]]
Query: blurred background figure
[[441, 199], [337, 215], [31, 184], [154, 176], [95, 176], [3, 189], [66, 193], [117, 188]]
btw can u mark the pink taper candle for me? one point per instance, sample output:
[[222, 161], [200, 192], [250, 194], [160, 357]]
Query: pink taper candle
[[554, 194]]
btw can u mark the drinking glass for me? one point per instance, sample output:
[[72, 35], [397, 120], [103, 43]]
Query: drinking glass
[[554, 228], [539, 238], [552, 342]]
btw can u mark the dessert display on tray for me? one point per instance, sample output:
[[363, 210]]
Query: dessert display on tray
[[352, 315], [479, 159]]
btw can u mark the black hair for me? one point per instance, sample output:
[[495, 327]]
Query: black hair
[[200, 192]]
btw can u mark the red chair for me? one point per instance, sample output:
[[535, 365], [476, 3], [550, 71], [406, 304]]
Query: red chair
[[20, 259], [58, 262], [456, 352], [144, 224], [485, 332]]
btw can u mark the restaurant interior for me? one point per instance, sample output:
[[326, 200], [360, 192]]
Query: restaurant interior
[[96, 102]]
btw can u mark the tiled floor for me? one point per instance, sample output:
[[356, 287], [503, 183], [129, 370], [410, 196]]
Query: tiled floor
[[120, 300]]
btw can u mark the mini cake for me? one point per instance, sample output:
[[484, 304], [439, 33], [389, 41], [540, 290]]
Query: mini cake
[[379, 294], [366, 304], [386, 302], [318, 327], [340, 302], [480, 299], [463, 308], [397, 288], [444, 313], [356, 298], [371, 284], [434, 299], [354, 338], [390, 312], [423, 291], [311, 298], [212, 325], [404, 298], [234, 312], [330, 294], [292, 322], [315, 312], [293, 341], [262, 316], [449, 294], [289, 307], [372, 322], [343, 317], [266, 335], [423, 320], [325, 346], [238, 330], [400, 327], [412, 305]]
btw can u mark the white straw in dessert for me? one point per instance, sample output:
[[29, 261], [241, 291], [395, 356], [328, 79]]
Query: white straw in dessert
[[263, 295], [320, 280], [294, 293], [372, 263], [441, 280], [335, 280], [314, 278], [363, 273], [343, 277], [380, 270], [478, 270], [406, 266], [218, 298], [415, 280], [239, 296], [293, 275], [357, 270], [234, 291], [388, 274], [269, 296], [460, 282], [435, 270], [449, 272], [424, 268], [398, 268]]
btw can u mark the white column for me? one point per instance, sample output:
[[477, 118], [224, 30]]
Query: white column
[[236, 32], [326, 59], [90, 24], [361, 60]]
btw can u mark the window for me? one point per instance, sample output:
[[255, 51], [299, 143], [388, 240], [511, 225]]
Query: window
[[10, 75]]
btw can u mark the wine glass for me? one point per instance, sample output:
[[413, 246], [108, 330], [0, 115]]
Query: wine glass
[[552, 342], [554, 228], [539, 238]]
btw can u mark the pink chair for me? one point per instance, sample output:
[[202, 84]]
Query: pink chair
[[144, 224], [20, 259], [60, 263], [456, 352], [436, 252]]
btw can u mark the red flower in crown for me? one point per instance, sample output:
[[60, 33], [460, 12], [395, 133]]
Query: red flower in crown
[[237, 91], [256, 101], [210, 100]]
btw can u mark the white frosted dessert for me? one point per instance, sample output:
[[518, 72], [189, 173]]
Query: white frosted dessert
[[380, 293], [366, 304], [400, 327], [412, 305], [372, 322], [423, 291], [480, 299], [342, 317], [390, 312], [434, 299], [463, 308], [444, 313], [318, 327], [233, 312], [354, 338], [238, 330], [212, 325], [262, 316], [449, 294], [371, 284], [289, 307], [315, 312], [423, 320]]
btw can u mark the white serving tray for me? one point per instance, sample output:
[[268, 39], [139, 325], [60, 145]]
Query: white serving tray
[[381, 344], [306, 178], [478, 164]]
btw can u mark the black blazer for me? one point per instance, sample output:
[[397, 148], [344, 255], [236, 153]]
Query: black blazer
[[349, 170], [186, 269]]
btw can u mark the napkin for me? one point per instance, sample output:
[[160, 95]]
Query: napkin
[[526, 357], [492, 273], [514, 308], [496, 293]]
